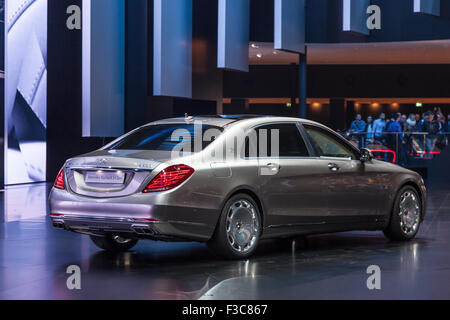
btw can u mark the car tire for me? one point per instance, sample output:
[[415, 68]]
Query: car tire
[[238, 230], [114, 243], [406, 216]]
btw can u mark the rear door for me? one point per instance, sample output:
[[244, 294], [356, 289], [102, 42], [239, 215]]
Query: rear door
[[291, 184]]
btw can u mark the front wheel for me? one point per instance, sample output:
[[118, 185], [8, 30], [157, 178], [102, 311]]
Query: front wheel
[[406, 216], [114, 243], [238, 230]]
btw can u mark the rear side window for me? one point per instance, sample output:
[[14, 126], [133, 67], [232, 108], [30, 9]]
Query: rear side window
[[277, 140], [165, 137]]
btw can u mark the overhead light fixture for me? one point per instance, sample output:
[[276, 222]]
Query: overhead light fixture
[[254, 46], [275, 52], [259, 55]]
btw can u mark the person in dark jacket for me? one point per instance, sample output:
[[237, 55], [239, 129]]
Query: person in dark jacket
[[431, 127]]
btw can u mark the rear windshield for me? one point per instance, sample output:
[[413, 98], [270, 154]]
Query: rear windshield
[[165, 137]]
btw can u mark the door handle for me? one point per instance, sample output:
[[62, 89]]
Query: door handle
[[333, 167], [273, 166], [270, 169]]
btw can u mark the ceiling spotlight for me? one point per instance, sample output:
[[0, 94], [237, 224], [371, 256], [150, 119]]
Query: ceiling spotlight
[[254, 46], [275, 52], [259, 55]]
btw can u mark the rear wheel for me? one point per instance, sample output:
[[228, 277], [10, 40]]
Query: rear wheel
[[406, 215], [238, 230], [114, 243]]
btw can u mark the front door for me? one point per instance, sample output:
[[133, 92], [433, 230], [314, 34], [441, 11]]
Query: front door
[[353, 189]]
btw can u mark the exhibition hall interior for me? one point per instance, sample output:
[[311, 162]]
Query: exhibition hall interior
[[78, 74]]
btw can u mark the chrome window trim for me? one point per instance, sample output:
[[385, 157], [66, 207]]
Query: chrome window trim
[[336, 158]]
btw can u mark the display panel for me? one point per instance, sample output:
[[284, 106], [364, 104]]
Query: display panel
[[2, 94], [233, 35], [25, 91], [290, 25], [172, 42]]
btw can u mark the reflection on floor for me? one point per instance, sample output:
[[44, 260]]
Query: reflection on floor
[[24, 202], [34, 258]]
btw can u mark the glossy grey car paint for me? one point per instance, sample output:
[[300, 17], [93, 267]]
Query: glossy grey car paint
[[305, 196]]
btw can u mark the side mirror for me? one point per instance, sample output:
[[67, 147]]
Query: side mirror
[[366, 155]]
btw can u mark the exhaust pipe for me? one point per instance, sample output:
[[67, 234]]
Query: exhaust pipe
[[144, 230], [58, 225]]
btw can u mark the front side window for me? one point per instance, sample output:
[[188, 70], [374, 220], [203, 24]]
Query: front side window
[[276, 140], [165, 137], [327, 145]]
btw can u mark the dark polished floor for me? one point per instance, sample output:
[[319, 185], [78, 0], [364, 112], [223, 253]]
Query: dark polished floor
[[34, 258]]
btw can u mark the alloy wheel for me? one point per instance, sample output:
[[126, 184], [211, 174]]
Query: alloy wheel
[[242, 226]]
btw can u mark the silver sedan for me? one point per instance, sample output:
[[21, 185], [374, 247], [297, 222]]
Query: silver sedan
[[231, 181]]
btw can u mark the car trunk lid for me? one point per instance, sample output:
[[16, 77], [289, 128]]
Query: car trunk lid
[[112, 173]]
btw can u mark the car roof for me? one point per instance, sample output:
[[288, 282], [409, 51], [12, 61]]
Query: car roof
[[226, 120]]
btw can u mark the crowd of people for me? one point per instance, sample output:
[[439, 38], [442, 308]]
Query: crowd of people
[[416, 133]]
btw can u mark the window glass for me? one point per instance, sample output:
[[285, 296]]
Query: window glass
[[276, 140], [164, 137], [327, 145]]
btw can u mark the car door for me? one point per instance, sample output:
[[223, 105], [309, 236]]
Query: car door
[[353, 189], [291, 184]]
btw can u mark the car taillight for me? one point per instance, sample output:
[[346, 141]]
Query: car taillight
[[56, 215], [169, 178], [59, 182]]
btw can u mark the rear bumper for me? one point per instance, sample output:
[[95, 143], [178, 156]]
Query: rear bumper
[[134, 229], [139, 216]]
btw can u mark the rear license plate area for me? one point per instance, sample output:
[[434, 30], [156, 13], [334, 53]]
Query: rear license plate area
[[104, 177]]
